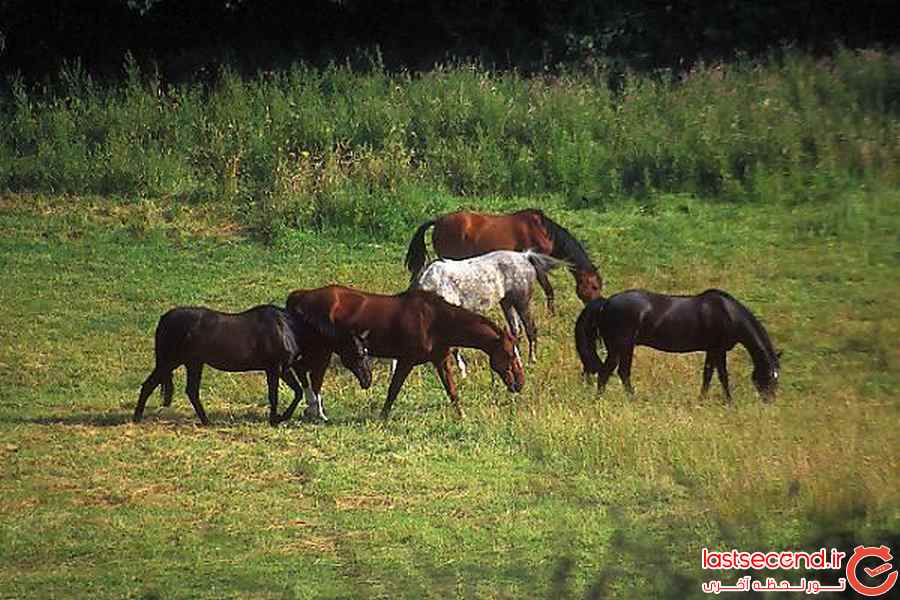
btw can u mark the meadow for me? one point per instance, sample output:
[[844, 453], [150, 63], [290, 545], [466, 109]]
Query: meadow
[[120, 205]]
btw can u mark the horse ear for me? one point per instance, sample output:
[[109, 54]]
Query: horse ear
[[778, 354], [364, 335]]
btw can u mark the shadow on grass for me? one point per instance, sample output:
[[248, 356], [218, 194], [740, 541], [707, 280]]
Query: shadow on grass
[[639, 553], [115, 419], [169, 418], [641, 564], [78, 419]]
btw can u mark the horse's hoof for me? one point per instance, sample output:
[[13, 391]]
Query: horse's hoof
[[314, 416]]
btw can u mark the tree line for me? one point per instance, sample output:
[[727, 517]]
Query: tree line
[[188, 39]]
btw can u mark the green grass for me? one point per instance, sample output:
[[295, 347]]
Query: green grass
[[551, 493], [327, 149]]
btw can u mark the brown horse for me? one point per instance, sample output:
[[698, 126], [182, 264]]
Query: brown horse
[[413, 327], [466, 234]]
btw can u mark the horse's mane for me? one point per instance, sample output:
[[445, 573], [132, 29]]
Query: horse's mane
[[757, 327], [565, 245]]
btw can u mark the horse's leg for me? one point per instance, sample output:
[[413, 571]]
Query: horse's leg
[[722, 370], [608, 366], [155, 378], [192, 389], [272, 383], [443, 368], [400, 375], [625, 357], [708, 366], [524, 311], [463, 370], [509, 313], [318, 367], [168, 388], [544, 282], [290, 377]]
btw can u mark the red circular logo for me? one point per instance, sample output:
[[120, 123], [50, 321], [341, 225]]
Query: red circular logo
[[863, 552]]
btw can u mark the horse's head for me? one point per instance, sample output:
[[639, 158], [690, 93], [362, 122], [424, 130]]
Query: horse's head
[[354, 354], [588, 284], [507, 363], [766, 378]]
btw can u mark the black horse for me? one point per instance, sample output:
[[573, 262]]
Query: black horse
[[712, 322], [264, 338]]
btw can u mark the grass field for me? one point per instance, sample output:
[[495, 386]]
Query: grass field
[[555, 492]]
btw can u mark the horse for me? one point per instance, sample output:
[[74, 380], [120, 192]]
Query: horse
[[264, 338], [502, 277], [467, 234], [414, 327], [712, 322]]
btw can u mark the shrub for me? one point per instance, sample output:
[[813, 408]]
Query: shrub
[[329, 148]]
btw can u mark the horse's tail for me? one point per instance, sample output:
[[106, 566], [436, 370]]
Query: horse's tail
[[586, 333], [415, 282], [543, 262], [415, 254], [171, 333]]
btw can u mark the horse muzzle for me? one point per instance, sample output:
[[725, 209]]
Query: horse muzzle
[[515, 386], [365, 379]]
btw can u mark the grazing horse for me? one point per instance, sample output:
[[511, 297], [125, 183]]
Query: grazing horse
[[712, 322], [480, 283], [467, 234], [413, 327], [264, 338]]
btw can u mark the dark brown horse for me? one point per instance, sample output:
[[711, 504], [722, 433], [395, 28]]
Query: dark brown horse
[[467, 234], [264, 338], [712, 322], [413, 327]]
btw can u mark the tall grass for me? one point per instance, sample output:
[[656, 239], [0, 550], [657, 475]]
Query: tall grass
[[375, 151]]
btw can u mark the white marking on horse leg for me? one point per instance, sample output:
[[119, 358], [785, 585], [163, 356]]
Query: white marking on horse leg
[[516, 352], [393, 367], [463, 371], [321, 404], [519, 323], [314, 408]]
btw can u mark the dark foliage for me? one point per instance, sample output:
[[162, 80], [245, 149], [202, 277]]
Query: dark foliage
[[188, 38]]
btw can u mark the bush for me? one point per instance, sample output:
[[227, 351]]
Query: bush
[[338, 148]]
